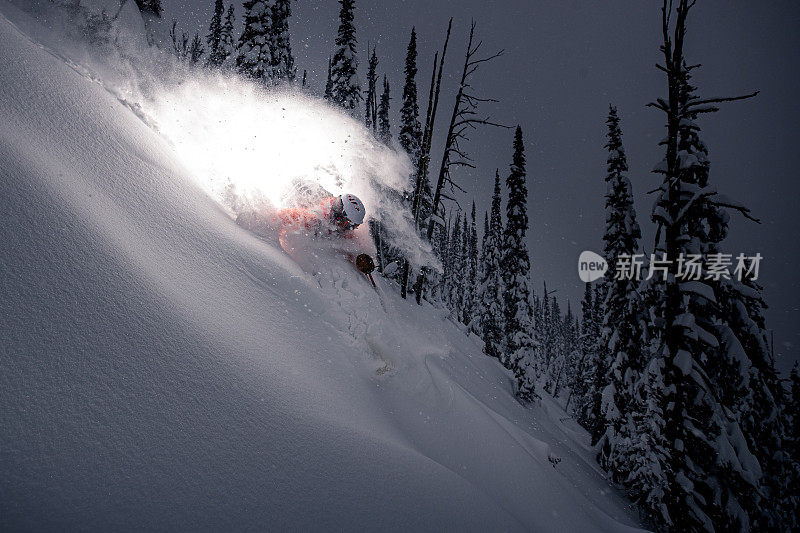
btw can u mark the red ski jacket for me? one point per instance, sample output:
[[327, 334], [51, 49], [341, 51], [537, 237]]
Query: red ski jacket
[[318, 221]]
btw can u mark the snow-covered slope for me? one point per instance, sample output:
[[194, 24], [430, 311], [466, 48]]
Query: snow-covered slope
[[161, 368]]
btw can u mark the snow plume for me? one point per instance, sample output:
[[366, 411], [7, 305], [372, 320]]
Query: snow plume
[[247, 144]]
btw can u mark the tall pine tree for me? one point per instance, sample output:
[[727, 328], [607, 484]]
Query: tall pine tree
[[622, 314], [345, 89], [384, 129], [518, 315], [491, 289], [712, 477], [283, 68], [454, 288], [371, 103], [410, 136], [464, 295], [793, 414], [558, 354], [328, 82], [442, 247], [760, 404], [214, 37], [227, 42], [468, 296], [648, 452], [584, 386], [254, 58]]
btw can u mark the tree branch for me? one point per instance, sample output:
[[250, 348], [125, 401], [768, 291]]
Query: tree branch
[[718, 100]]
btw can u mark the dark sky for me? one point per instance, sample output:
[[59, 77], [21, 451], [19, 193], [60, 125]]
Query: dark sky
[[565, 62]]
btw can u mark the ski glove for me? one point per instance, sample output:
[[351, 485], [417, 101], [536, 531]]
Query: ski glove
[[365, 263]]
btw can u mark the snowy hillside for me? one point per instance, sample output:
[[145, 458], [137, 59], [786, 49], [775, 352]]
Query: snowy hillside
[[162, 368]]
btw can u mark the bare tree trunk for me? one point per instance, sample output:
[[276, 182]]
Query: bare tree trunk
[[464, 117], [425, 150]]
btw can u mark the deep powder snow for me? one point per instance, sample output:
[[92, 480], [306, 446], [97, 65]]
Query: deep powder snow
[[161, 368]]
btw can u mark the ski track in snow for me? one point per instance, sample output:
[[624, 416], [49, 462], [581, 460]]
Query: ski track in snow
[[162, 368]]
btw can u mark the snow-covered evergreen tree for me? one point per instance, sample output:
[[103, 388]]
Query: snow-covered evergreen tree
[[384, 128], [567, 351], [713, 476], [601, 360], [622, 317], [227, 41], [540, 331], [573, 349], [475, 253], [492, 289], [479, 275], [792, 442], [464, 294], [759, 404], [410, 136], [518, 315], [441, 284], [647, 451], [792, 413], [456, 265], [345, 87], [558, 355], [469, 293], [584, 386], [483, 238], [214, 37], [283, 67], [371, 102], [328, 81], [254, 58]]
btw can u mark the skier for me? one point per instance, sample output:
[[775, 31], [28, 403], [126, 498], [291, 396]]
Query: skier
[[338, 215], [333, 217]]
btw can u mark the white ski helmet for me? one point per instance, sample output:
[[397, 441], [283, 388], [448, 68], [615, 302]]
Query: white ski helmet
[[351, 209]]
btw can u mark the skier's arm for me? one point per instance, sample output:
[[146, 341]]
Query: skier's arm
[[358, 242]]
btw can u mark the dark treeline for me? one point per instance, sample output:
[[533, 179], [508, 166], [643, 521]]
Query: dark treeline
[[675, 382]]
